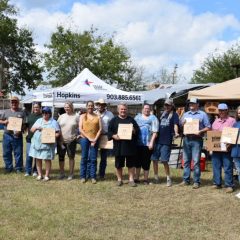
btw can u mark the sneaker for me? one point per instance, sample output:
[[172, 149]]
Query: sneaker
[[169, 182], [196, 185], [229, 190], [136, 180], [18, 171], [70, 177], [132, 184], [183, 183], [119, 183], [94, 181], [39, 178], [27, 175], [61, 176], [156, 180], [145, 182], [35, 174], [101, 178], [216, 186], [83, 180], [46, 179]]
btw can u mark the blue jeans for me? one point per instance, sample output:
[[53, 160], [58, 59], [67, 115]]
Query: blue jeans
[[29, 160], [103, 162], [237, 166], [219, 160], [12, 144], [89, 159], [192, 148]]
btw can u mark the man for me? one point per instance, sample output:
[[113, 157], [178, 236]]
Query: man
[[222, 159], [148, 125], [12, 140], [124, 149], [106, 116], [30, 120], [193, 143], [168, 128]]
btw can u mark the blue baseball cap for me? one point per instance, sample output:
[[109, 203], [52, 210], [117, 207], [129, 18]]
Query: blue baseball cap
[[46, 110], [222, 106]]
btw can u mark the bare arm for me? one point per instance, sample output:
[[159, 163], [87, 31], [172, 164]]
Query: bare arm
[[99, 131], [152, 141], [82, 133]]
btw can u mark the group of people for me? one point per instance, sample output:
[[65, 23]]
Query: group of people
[[151, 141]]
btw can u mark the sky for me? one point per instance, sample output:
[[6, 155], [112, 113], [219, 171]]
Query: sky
[[157, 33]]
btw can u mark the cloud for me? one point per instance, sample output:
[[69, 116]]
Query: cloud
[[157, 32]]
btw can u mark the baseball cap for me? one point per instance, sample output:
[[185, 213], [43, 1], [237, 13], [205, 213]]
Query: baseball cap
[[193, 100], [168, 102], [222, 106], [47, 110]]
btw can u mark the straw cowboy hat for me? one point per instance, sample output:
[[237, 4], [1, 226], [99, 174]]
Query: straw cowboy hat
[[101, 101]]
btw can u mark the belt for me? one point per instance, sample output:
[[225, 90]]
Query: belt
[[194, 137]]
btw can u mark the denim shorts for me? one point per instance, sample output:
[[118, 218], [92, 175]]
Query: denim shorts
[[161, 152]]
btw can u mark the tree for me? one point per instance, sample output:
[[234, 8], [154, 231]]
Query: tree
[[70, 52], [163, 76], [20, 63], [218, 67]]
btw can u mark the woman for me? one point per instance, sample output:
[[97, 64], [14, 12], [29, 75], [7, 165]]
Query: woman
[[236, 148], [31, 119], [43, 151], [69, 126], [90, 128]]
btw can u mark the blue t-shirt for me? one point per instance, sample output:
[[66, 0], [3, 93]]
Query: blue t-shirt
[[166, 128], [147, 126]]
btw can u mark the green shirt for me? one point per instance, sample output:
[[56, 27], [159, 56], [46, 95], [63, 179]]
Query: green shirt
[[30, 120]]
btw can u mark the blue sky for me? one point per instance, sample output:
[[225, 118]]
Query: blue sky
[[158, 33]]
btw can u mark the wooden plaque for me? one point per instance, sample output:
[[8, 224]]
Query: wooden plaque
[[104, 143], [125, 131], [191, 126], [213, 142], [229, 135], [48, 135], [14, 124]]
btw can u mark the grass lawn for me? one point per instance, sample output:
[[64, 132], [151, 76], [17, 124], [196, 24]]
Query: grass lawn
[[62, 209]]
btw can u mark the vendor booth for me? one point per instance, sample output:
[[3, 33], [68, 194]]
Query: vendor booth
[[86, 86]]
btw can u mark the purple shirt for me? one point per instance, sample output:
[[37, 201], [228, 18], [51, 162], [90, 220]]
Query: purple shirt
[[219, 123]]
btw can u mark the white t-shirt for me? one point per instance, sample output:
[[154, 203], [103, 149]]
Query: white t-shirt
[[69, 126]]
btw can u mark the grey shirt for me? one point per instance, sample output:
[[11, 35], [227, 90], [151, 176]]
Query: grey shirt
[[9, 113]]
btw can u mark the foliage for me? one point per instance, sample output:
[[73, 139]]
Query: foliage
[[70, 52], [218, 67], [18, 55]]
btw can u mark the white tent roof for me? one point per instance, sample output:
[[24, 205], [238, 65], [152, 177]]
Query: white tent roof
[[86, 86]]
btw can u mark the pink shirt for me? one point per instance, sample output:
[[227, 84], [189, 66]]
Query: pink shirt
[[219, 123]]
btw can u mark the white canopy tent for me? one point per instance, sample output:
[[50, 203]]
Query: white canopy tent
[[86, 86]]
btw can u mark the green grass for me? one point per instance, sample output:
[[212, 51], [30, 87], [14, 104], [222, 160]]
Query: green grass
[[62, 209]]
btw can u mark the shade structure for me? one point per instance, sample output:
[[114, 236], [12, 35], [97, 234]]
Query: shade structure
[[229, 90]]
